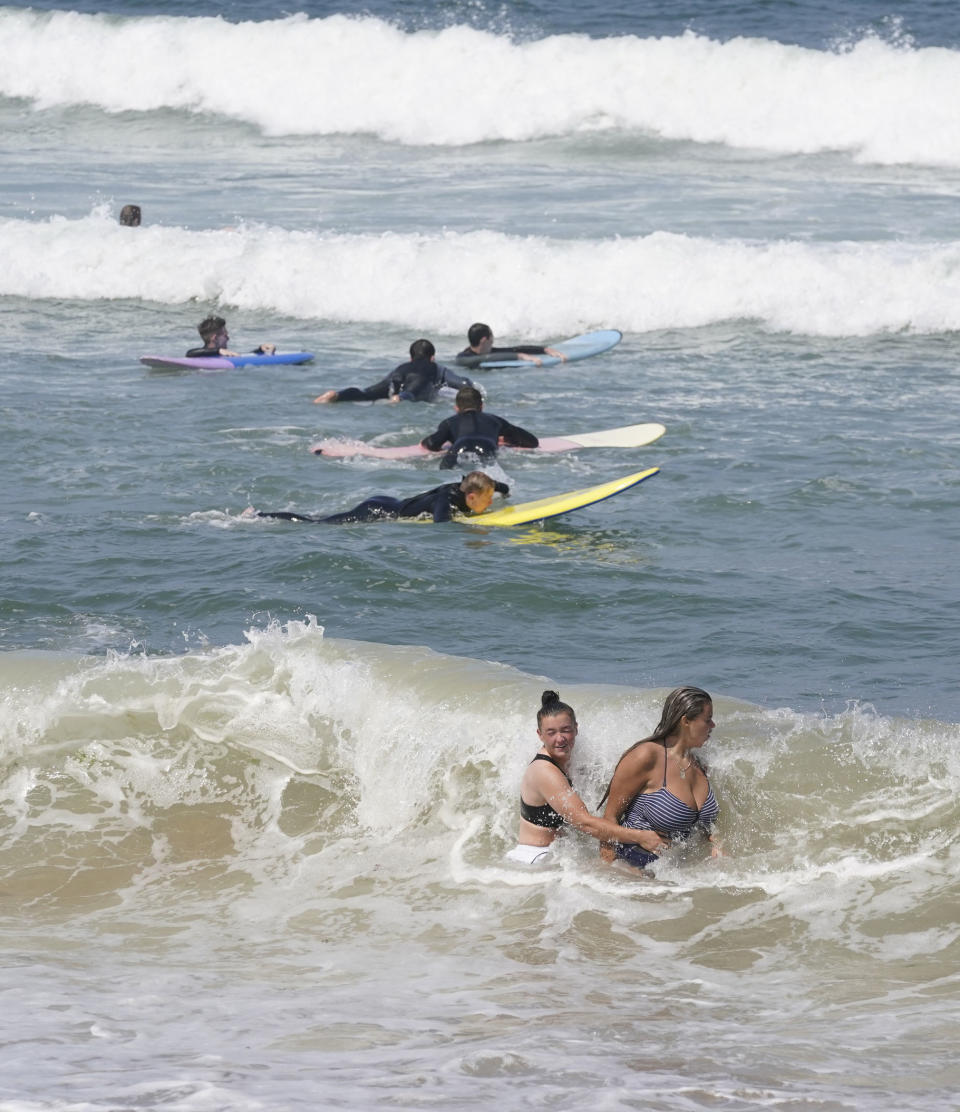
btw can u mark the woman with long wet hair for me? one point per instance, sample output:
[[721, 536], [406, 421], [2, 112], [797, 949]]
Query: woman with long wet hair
[[659, 783]]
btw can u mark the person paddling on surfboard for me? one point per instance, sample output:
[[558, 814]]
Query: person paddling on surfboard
[[471, 430], [547, 797], [213, 332], [471, 496], [480, 340], [420, 380]]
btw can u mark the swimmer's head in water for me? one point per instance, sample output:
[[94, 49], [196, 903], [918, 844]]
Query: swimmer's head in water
[[130, 216]]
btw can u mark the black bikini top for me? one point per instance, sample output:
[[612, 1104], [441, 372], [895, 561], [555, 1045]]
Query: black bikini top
[[544, 815]]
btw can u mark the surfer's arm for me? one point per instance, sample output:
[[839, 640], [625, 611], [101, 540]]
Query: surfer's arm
[[446, 377], [515, 437], [442, 509], [435, 441], [468, 360], [529, 353], [355, 394]]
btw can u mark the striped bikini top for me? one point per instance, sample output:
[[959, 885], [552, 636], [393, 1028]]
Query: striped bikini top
[[662, 811]]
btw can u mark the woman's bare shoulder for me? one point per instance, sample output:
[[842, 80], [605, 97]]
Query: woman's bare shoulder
[[643, 755]]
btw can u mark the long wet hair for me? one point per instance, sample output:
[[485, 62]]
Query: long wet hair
[[550, 705], [682, 702]]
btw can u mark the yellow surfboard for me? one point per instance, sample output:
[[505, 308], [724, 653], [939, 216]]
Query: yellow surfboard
[[543, 508]]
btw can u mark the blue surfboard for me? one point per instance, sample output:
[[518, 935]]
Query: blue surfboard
[[575, 349], [225, 362]]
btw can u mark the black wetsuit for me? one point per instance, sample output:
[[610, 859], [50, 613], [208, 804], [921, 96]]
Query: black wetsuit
[[469, 358], [478, 433], [416, 381], [214, 353], [441, 504]]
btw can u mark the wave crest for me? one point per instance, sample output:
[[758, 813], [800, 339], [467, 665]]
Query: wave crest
[[883, 102], [528, 284]]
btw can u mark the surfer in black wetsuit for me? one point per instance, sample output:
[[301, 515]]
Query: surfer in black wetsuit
[[420, 380], [471, 430], [471, 496], [481, 349], [213, 332]]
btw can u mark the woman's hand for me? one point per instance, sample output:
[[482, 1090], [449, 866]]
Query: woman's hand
[[654, 842]]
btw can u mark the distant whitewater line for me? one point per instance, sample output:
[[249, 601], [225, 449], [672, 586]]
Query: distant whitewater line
[[882, 103], [526, 284]]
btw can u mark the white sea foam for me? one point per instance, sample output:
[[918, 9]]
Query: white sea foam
[[528, 285], [882, 102]]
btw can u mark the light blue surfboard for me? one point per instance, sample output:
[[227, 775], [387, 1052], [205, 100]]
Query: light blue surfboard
[[575, 349]]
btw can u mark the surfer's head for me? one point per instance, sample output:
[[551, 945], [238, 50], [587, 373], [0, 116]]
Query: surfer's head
[[468, 399], [210, 327], [480, 337], [130, 216], [422, 349], [478, 490]]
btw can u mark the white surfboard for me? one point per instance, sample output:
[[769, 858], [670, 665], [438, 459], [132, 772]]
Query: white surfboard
[[626, 436]]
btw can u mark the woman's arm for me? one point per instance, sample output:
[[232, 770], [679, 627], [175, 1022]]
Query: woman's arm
[[552, 785]]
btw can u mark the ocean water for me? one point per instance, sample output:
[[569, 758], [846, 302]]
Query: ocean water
[[258, 778]]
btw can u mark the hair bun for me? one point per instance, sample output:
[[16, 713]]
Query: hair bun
[[548, 698]]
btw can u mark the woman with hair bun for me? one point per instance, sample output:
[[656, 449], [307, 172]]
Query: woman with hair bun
[[659, 783], [547, 797]]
